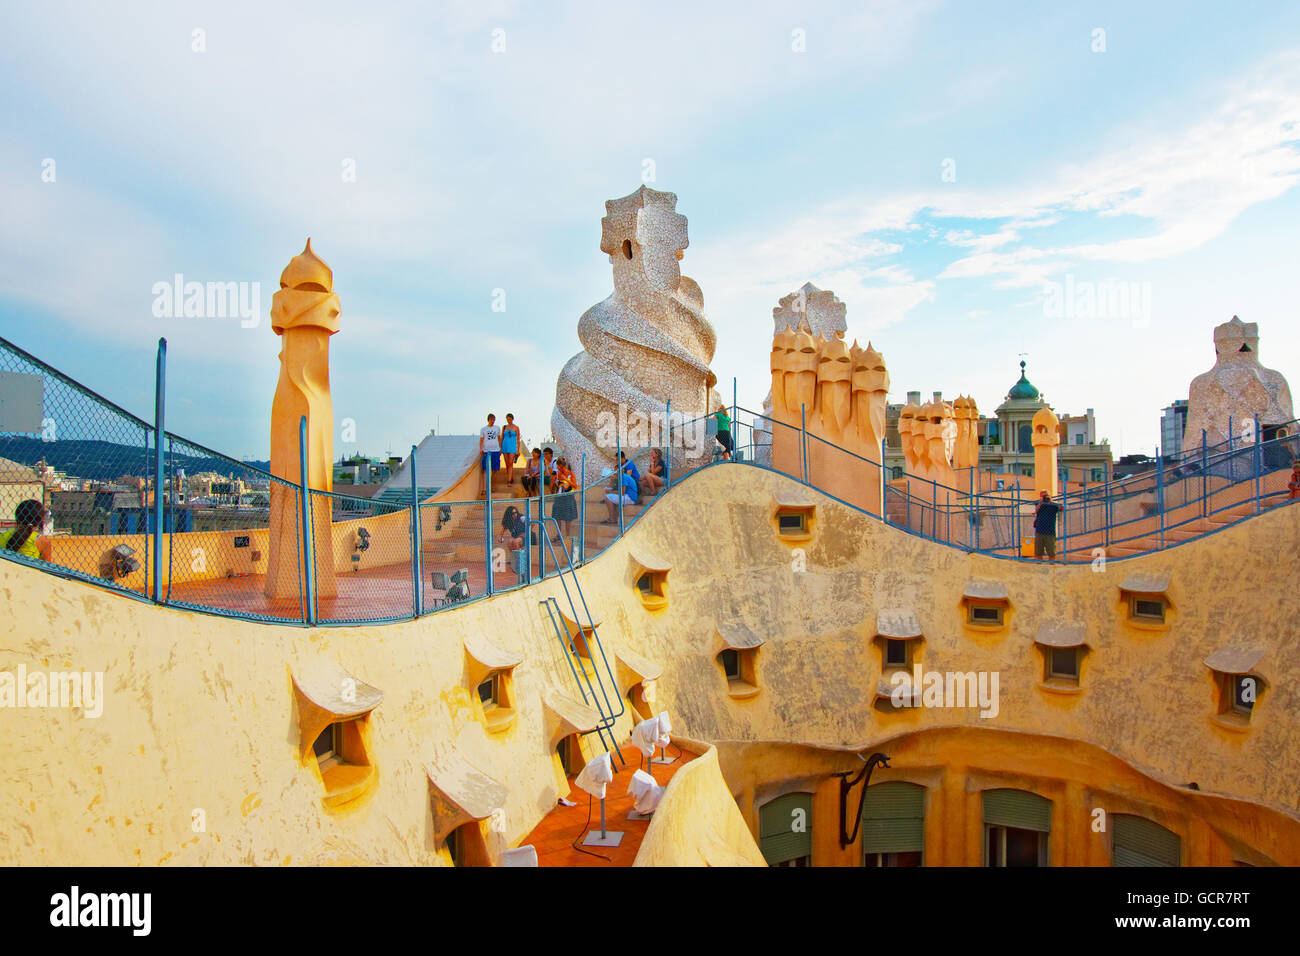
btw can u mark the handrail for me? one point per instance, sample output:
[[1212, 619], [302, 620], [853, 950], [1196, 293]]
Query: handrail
[[603, 724], [1198, 483], [591, 623]]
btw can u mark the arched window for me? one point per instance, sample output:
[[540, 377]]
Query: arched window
[[1017, 824], [893, 824], [1137, 841], [785, 830]]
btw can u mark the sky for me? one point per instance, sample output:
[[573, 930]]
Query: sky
[[939, 166]]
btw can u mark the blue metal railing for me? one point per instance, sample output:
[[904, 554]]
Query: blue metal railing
[[589, 632], [223, 570]]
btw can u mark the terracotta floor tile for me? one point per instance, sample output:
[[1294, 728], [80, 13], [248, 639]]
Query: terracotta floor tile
[[555, 834]]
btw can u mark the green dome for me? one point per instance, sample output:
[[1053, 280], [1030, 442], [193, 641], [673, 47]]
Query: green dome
[[1023, 388]]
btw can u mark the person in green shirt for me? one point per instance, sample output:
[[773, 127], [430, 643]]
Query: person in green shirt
[[724, 432], [25, 539]]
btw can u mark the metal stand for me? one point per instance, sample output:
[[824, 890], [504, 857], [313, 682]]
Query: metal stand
[[603, 838], [663, 757]]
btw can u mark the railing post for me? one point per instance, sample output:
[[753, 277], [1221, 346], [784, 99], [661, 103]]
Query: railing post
[[309, 556], [1160, 496], [618, 478], [803, 440], [884, 484], [1259, 463], [735, 423], [668, 450], [1205, 478], [487, 524], [159, 492], [582, 514], [417, 545], [528, 551], [541, 518], [1065, 524]]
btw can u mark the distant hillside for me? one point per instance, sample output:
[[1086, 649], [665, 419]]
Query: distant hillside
[[104, 461]]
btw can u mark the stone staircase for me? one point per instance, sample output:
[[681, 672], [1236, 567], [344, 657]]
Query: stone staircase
[[462, 540]]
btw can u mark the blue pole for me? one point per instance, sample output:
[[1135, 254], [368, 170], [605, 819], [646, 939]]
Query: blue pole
[[803, 440], [487, 523], [668, 450], [417, 545], [528, 552], [735, 422], [159, 407], [582, 515], [1065, 522], [618, 478], [1205, 483], [884, 484], [541, 517], [309, 557], [1259, 462], [1106, 509], [1160, 495]]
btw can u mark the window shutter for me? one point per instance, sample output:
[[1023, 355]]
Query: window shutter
[[1018, 808], [1140, 842], [776, 836], [893, 818]]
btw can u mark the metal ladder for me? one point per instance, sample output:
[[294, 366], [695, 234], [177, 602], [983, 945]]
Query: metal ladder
[[597, 694]]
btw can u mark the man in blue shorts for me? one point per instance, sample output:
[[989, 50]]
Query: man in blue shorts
[[489, 447]]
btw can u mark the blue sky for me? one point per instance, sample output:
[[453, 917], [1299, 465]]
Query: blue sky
[[1170, 159]]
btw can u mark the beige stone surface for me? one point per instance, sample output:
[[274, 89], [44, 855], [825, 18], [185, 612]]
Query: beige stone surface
[[200, 711], [838, 394], [1237, 388], [304, 313], [647, 343]]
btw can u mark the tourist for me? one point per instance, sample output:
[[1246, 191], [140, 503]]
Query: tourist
[[724, 432], [489, 447], [1293, 485], [26, 538], [511, 442], [656, 475], [531, 471], [564, 509], [548, 467], [513, 529], [631, 469], [1045, 528], [622, 489]]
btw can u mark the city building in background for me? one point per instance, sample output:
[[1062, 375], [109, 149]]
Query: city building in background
[[1004, 438]]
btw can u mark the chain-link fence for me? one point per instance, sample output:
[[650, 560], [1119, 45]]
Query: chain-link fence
[[221, 551], [76, 477], [80, 495]]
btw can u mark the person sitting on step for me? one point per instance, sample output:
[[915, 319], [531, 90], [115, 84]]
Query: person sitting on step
[[655, 476], [531, 472], [622, 489], [564, 509]]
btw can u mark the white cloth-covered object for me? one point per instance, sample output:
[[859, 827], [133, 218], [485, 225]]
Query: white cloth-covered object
[[645, 735], [665, 728], [646, 793], [596, 775], [525, 855]]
